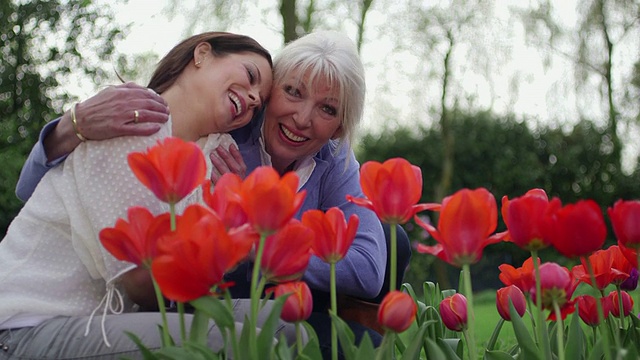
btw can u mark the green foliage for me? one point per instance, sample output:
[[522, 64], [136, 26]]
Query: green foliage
[[506, 157], [43, 42]]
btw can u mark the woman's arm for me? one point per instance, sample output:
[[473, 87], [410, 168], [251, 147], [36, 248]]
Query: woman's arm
[[361, 272], [106, 115]]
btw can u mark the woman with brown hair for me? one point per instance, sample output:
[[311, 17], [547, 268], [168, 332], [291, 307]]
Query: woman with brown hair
[[56, 278]]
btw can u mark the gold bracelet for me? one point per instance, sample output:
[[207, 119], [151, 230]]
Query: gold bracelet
[[75, 123]]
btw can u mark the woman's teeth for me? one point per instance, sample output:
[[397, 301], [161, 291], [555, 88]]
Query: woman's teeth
[[291, 136], [236, 102]]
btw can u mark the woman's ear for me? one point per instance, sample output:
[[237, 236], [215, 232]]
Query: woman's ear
[[201, 52]]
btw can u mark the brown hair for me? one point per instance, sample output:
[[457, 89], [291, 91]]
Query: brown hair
[[222, 43]]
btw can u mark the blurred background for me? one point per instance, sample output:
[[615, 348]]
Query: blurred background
[[507, 95]]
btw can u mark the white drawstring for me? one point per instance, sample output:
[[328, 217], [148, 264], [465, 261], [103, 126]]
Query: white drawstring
[[109, 306]]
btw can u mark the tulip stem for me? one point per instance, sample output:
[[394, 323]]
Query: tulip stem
[[234, 341], [468, 292], [602, 324], [560, 330], [621, 307], [172, 212], [542, 326], [299, 339], [638, 268], [255, 293], [334, 309], [166, 340], [183, 327], [393, 257]]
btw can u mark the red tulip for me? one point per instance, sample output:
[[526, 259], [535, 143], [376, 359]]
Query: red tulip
[[557, 285], [523, 217], [171, 169], [397, 311], [575, 229], [393, 189], [588, 311], [286, 253], [625, 219], [627, 303], [135, 241], [602, 263], [333, 235], [453, 311], [200, 252], [513, 294], [467, 219], [269, 200], [523, 277], [225, 200], [630, 254], [299, 304]]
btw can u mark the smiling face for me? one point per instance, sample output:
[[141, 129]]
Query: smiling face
[[301, 118], [235, 86]]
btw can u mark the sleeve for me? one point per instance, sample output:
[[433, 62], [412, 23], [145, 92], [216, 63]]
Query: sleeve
[[104, 188], [36, 165], [361, 272]]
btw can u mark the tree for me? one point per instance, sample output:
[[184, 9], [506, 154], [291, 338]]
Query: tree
[[505, 156], [297, 18], [43, 43], [596, 45]]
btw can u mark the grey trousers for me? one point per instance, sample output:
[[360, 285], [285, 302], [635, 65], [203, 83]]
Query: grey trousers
[[63, 337]]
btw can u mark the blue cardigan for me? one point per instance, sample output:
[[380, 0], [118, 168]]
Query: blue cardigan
[[336, 174]]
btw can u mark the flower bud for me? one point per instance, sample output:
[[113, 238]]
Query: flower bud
[[513, 293], [397, 311], [299, 304], [453, 310], [632, 281], [588, 311], [627, 303]]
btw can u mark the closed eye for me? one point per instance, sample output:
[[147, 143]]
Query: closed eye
[[252, 76]]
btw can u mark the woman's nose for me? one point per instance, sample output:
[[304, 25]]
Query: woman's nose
[[302, 117], [254, 99]]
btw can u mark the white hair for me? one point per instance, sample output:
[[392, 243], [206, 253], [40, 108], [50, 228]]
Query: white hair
[[333, 56]]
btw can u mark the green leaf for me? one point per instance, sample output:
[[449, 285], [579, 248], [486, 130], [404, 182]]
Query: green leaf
[[576, 344], [429, 291], [282, 349], [215, 309], [146, 353], [497, 355], [268, 328], [455, 344], [199, 327], [414, 347], [451, 349], [345, 336], [525, 341], [494, 336], [244, 346], [366, 350], [597, 352], [433, 350], [312, 347]]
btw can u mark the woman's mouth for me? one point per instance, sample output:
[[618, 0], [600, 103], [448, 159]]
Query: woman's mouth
[[291, 136], [237, 103]]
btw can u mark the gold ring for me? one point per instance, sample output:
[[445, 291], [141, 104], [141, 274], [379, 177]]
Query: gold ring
[[135, 116]]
